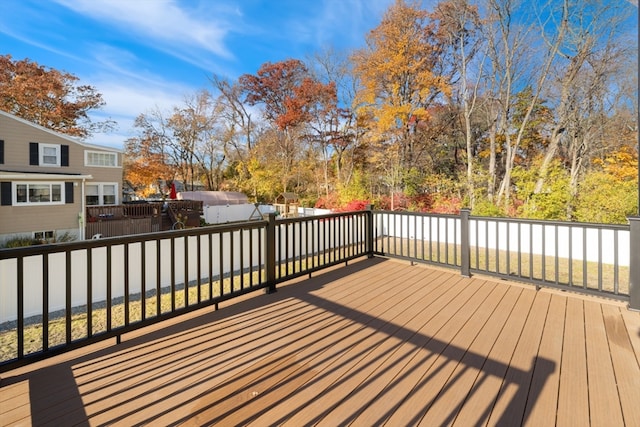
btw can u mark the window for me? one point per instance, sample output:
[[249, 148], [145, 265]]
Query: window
[[100, 194], [44, 235], [31, 193], [109, 194], [49, 155], [92, 194], [99, 158]]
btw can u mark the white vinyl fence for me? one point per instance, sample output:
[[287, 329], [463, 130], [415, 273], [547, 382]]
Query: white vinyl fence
[[182, 262], [588, 242]]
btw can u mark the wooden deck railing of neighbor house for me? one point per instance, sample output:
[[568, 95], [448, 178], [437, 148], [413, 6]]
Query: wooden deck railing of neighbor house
[[140, 218], [57, 297], [123, 220], [184, 213]]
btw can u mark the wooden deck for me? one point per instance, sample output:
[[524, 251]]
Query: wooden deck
[[378, 342]]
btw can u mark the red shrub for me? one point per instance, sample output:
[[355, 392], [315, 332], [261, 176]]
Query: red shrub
[[354, 205]]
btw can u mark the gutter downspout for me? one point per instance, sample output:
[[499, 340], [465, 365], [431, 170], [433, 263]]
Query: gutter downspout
[[81, 220]]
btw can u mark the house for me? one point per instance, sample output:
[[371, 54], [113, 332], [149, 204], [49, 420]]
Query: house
[[47, 179]]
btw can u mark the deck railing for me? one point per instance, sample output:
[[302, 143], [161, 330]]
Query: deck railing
[[54, 298], [307, 244], [589, 258], [123, 220], [140, 218]]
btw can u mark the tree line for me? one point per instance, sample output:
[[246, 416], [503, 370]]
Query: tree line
[[524, 109]]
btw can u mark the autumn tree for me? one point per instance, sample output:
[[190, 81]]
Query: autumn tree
[[198, 143], [400, 75], [290, 98], [587, 67], [611, 185], [49, 98], [239, 131], [146, 162], [459, 24], [189, 141], [517, 64], [345, 148]]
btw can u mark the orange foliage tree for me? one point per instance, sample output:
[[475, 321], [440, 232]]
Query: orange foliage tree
[[291, 99], [48, 97]]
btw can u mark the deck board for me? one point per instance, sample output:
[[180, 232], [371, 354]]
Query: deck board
[[377, 342], [573, 397], [543, 406], [600, 374], [625, 364], [461, 381], [476, 408]]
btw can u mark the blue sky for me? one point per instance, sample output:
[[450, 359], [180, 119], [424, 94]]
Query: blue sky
[[142, 54]]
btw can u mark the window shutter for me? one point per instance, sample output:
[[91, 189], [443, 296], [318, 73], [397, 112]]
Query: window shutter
[[64, 155], [5, 193], [1, 151], [34, 154], [68, 192]]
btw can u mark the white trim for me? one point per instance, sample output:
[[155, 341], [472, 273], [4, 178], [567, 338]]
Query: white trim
[[41, 147], [86, 159], [41, 176], [101, 194], [14, 193], [82, 217]]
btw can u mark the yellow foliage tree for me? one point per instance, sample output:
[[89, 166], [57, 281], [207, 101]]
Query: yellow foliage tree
[[400, 79]]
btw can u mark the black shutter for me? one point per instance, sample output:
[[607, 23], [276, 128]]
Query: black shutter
[[64, 155], [1, 151], [34, 153], [68, 192], [5, 193]]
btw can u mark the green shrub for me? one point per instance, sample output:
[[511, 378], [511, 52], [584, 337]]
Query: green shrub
[[484, 207], [604, 199], [20, 241]]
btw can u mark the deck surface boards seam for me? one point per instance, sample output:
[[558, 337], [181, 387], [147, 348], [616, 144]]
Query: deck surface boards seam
[[449, 401], [310, 390], [603, 393]]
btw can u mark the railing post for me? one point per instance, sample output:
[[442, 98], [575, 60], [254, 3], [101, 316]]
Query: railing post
[[634, 263], [270, 254], [465, 249], [369, 235]]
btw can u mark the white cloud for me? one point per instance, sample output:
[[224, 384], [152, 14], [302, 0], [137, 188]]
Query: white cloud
[[163, 21], [342, 23], [186, 40]]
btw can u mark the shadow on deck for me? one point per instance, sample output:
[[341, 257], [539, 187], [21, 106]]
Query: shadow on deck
[[372, 343]]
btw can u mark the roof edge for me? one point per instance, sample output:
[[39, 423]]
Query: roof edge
[[58, 134]]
